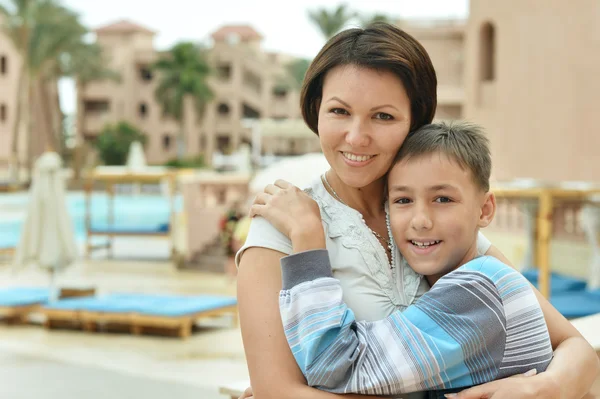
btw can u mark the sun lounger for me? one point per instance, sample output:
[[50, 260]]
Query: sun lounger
[[558, 283], [576, 304], [143, 310], [18, 302]]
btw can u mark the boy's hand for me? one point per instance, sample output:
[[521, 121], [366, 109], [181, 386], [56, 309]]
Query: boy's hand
[[522, 386], [293, 213]]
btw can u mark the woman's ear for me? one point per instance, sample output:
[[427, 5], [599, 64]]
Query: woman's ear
[[488, 210]]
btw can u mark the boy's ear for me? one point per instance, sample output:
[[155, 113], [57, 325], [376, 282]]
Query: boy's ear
[[488, 210]]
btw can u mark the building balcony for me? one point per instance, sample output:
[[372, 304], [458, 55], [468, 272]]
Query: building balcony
[[450, 95], [94, 122]]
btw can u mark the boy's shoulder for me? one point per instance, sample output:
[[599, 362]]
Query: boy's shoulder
[[498, 272]]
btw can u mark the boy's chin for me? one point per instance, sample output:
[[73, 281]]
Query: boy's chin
[[428, 268]]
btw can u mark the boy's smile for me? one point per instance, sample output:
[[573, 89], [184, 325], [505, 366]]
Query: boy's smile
[[436, 210]]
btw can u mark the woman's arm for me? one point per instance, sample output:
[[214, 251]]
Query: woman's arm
[[273, 370], [575, 365]]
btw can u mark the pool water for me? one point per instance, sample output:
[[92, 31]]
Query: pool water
[[130, 212]]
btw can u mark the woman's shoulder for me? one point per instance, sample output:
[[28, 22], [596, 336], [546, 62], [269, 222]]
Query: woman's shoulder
[[263, 234]]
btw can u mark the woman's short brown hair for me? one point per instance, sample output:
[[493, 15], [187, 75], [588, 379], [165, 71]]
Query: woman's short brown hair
[[380, 46]]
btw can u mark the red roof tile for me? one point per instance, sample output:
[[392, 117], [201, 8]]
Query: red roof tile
[[245, 32], [123, 26]]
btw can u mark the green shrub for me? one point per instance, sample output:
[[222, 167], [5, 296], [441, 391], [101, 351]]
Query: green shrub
[[191, 162], [114, 141]]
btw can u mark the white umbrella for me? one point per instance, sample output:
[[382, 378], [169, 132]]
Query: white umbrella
[[47, 239], [300, 170], [136, 159]]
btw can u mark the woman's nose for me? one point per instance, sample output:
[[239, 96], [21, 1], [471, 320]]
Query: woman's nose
[[358, 135]]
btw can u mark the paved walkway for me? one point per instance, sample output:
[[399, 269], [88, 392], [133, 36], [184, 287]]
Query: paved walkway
[[74, 364]]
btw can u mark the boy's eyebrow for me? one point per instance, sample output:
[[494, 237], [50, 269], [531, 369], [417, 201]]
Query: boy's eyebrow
[[440, 187], [437, 187]]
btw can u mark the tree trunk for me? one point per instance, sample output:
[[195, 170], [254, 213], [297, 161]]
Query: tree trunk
[[181, 136], [181, 143], [78, 154], [21, 91], [29, 124], [45, 111], [57, 117]]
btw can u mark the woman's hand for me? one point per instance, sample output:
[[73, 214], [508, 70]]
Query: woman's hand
[[247, 394], [293, 213], [524, 386]]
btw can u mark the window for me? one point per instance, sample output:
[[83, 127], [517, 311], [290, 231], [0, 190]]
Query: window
[[223, 142], [3, 65], [280, 91], [96, 106], [224, 71], [488, 52], [166, 141], [2, 112], [143, 109], [145, 74], [249, 112], [223, 109]]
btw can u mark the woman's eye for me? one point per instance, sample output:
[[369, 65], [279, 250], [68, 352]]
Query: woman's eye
[[338, 111], [402, 201], [383, 116], [443, 199]]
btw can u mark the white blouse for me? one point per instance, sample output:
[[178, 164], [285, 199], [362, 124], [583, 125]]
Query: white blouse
[[373, 288]]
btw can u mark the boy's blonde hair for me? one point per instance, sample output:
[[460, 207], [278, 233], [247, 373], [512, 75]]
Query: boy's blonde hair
[[462, 142]]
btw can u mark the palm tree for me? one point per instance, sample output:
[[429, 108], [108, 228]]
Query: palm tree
[[85, 63], [19, 21], [183, 73], [51, 42], [366, 20], [331, 22], [296, 70]]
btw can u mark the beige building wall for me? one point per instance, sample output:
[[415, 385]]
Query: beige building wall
[[532, 80], [10, 65], [246, 84], [444, 42]]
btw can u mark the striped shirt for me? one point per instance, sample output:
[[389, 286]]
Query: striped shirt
[[479, 323]]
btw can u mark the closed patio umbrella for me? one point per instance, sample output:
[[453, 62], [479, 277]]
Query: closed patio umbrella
[[299, 170], [47, 239]]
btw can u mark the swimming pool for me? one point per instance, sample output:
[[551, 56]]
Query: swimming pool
[[130, 211]]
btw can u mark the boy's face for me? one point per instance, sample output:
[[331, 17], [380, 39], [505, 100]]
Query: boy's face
[[436, 210]]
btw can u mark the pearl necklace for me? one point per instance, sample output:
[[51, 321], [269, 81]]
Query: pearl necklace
[[337, 197]]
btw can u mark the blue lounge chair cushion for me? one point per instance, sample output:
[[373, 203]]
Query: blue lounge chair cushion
[[23, 296], [129, 229], [147, 304], [576, 304], [558, 283]]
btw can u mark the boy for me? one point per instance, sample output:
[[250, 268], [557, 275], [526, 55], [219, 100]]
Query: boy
[[479, 322]]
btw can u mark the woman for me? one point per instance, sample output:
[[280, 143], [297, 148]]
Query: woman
[[363, 93]]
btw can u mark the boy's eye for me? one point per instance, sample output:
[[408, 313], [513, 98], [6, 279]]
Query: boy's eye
[[443, 199], [402, 201], [383, 116], [338, 111]]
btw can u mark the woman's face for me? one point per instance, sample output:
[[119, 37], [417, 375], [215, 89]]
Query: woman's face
[[364, 118]]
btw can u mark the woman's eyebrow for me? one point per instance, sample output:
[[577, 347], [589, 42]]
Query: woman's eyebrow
[[334, 98]]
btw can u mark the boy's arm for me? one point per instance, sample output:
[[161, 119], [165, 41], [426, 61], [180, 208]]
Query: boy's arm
[[453, 337]]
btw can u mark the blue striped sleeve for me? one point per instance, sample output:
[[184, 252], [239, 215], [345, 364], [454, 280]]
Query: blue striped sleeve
[[453, 337]]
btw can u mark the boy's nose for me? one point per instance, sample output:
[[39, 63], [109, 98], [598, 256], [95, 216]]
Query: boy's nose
[[421, 221]]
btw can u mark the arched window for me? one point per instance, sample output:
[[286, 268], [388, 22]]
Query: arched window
[[223, 109], [488, 52], [3, 65]]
